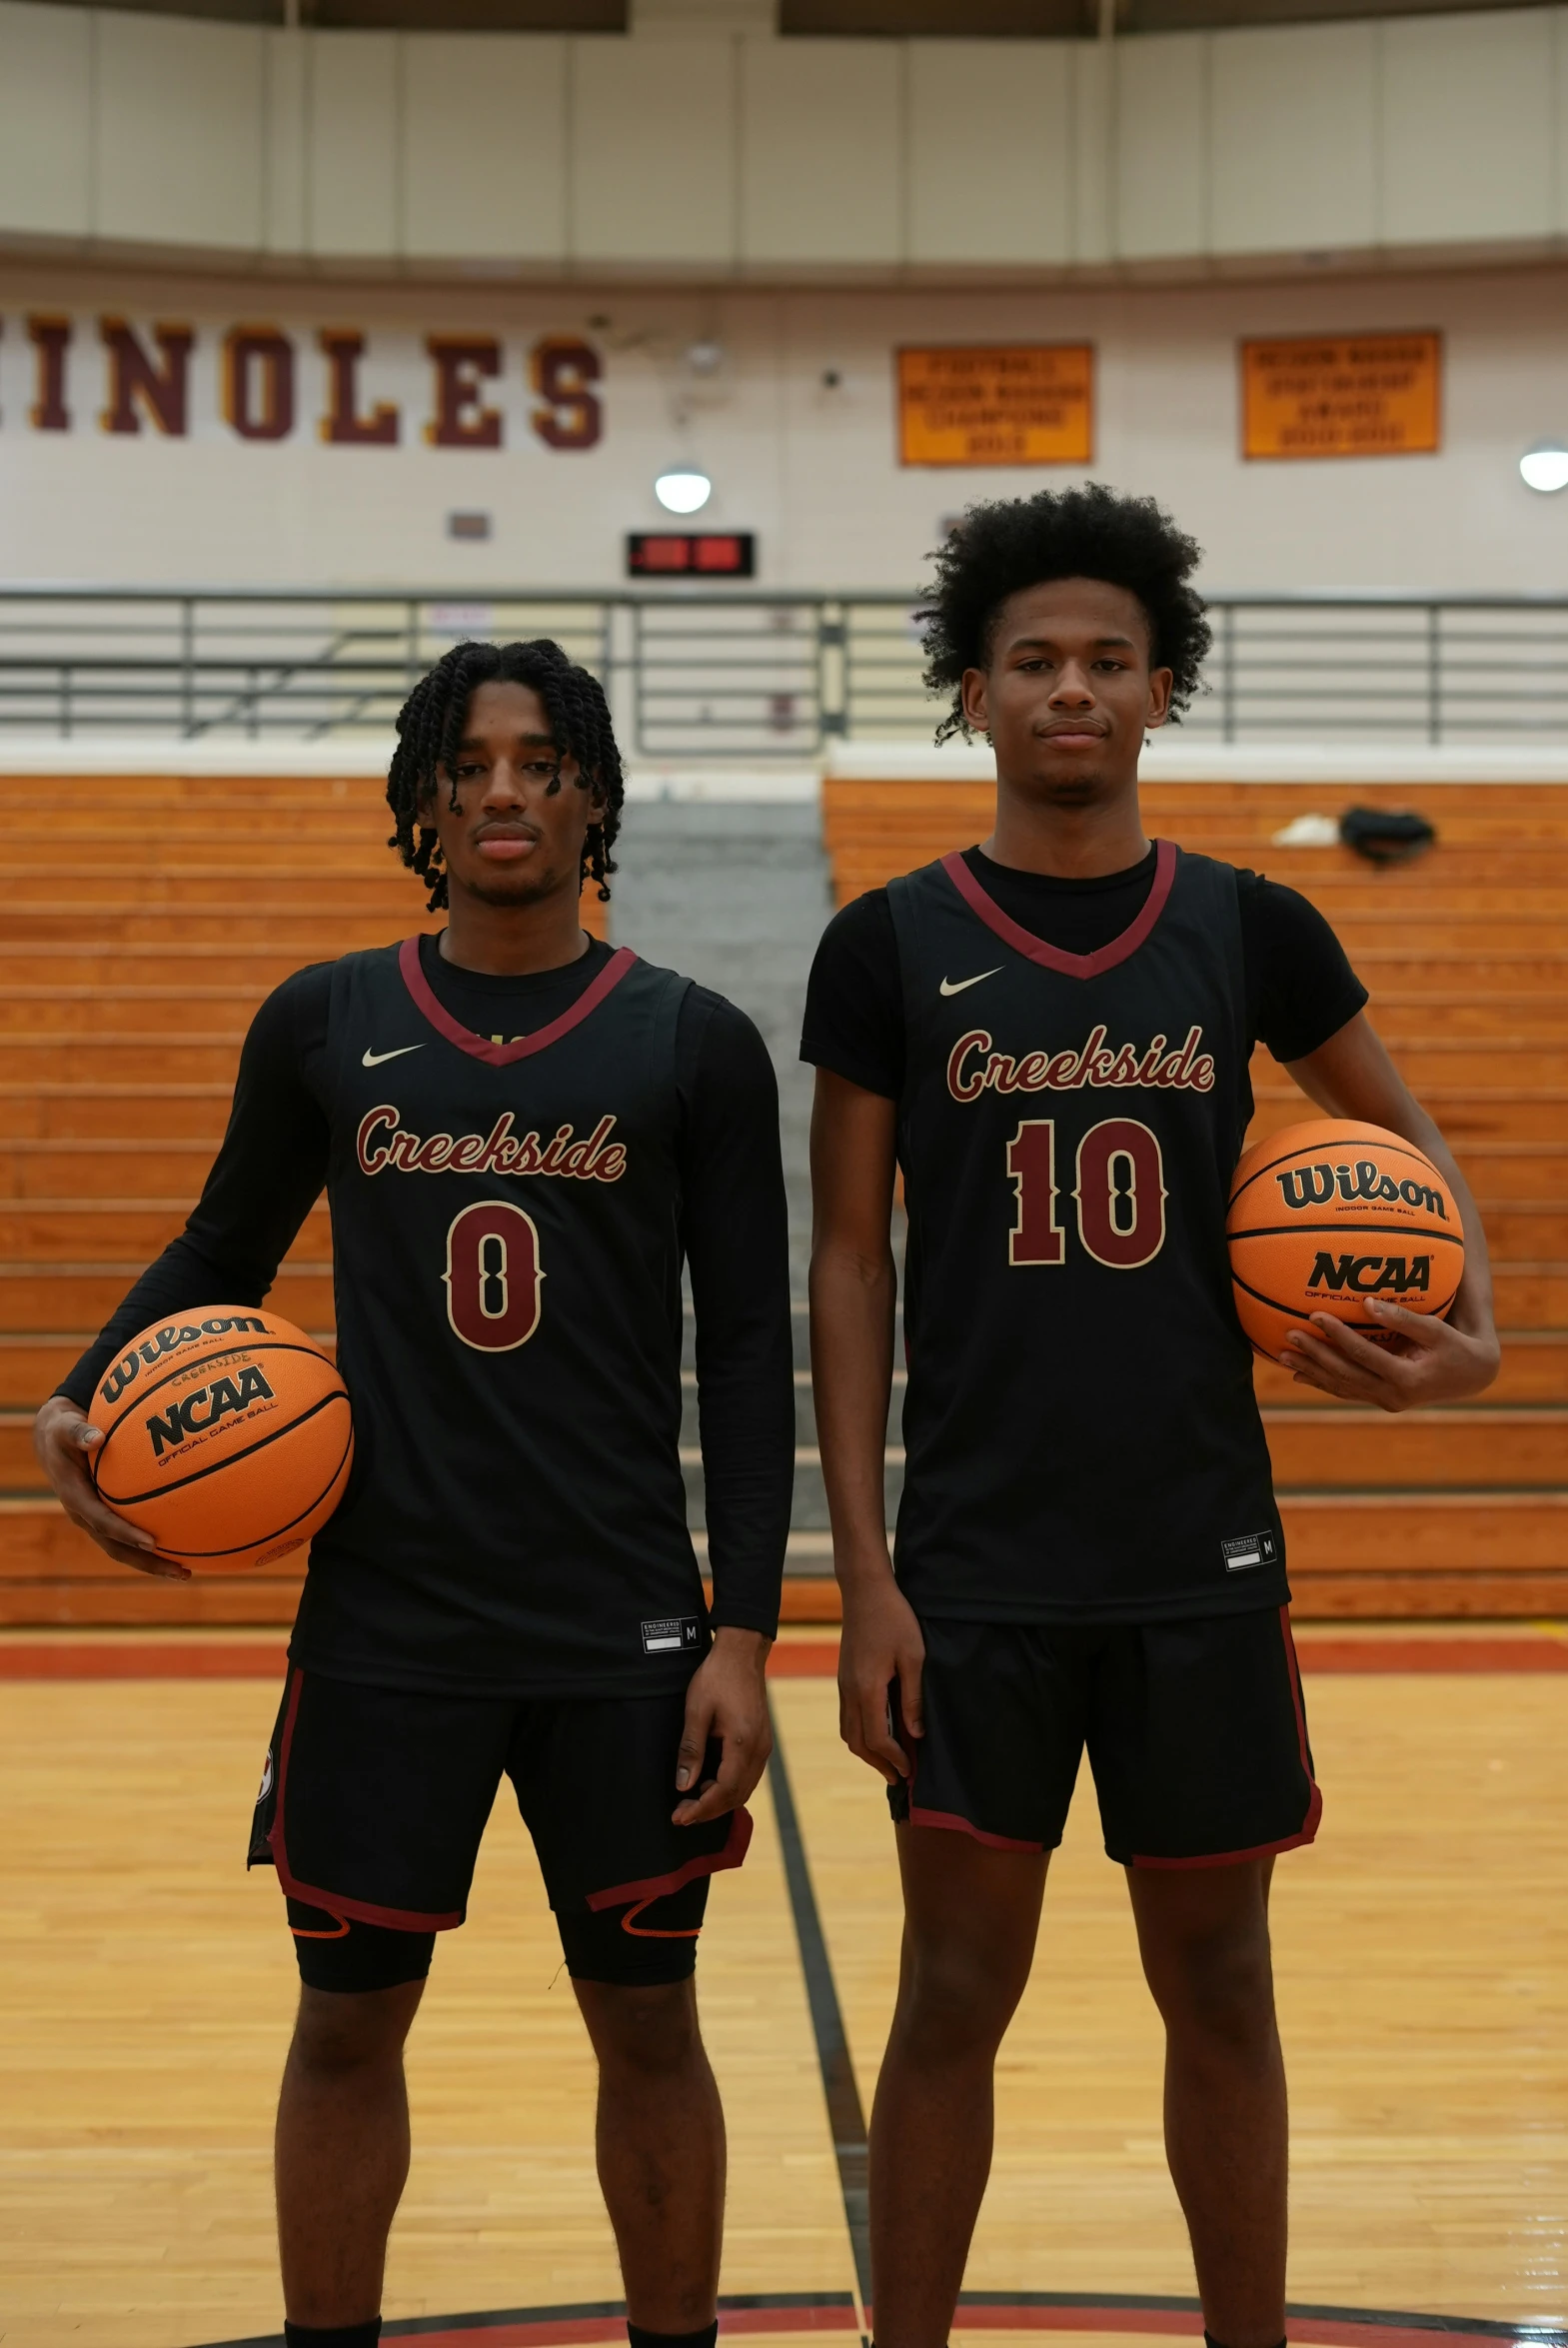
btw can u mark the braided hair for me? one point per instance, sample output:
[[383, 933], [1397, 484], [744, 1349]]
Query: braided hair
[[430, 727]]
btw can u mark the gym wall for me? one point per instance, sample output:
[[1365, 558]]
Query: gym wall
[[791, 408]]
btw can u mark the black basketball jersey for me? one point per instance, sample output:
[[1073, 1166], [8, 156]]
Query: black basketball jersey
[[507, 1275], [1082, 1441]]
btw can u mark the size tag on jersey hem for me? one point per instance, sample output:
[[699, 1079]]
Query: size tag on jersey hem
[[674, 1636], [1247, 1549]]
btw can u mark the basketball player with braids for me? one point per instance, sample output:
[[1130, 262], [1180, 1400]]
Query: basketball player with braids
[[1049, 1035], [523, 1134]]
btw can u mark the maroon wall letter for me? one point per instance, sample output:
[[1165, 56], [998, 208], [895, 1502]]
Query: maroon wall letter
[[51, 338], [134, 376], [562, 367], [258, 382], [459, 361], [343, 423]]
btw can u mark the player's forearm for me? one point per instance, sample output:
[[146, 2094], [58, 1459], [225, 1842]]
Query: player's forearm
[[1472, 1309], [853, 1303], [184, 1278], [749, 1481]]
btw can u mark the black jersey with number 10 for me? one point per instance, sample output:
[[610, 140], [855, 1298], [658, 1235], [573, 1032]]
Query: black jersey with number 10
[[1081, 1437], [504, 1216]]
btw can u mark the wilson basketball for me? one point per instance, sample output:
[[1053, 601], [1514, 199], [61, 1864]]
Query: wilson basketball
[[1324, 1215], [227, 1436]]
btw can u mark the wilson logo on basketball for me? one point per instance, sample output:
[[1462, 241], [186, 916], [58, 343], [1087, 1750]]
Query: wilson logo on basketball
[[384, 1142], [1366, 1275], [1318, 1185], [202, 1410], [165, 1341], [973, 1068]]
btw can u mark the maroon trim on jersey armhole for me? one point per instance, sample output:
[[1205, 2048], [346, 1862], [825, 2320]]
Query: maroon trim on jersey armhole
[[637, 1895], [480, 1046], [360, 1911], [1314, 1812], [1052, 958], [957, 1825]]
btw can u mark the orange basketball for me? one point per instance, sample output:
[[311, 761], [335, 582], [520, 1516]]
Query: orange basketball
[[1324, 1215], [227, 1436]]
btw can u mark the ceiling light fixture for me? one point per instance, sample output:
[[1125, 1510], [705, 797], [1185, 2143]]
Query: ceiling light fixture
[[682, 489], [1545, 467]]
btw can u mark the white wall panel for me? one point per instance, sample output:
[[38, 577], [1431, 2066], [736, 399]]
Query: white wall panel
[[284, 125], [1295, 125], [653, 162], [697, 147], [812, 467], [1468, 126], [178, 130], [820, 144], [484, 155], [975, 196], [353, 144], [45, 119], [1093, 132], [1162, 144]]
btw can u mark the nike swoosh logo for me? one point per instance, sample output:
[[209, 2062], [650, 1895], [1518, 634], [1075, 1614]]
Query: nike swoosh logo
[[956, 985], [374, 1058]]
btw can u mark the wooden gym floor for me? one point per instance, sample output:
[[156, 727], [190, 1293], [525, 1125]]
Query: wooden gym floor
[[148, 1987]]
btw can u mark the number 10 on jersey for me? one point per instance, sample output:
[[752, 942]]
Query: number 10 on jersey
[[1118, 1188]]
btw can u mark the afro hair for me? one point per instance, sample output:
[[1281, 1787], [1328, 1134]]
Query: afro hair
[[1088, 532]]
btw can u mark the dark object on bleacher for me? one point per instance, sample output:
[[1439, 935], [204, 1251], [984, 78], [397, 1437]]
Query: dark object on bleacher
[[1383, 837]]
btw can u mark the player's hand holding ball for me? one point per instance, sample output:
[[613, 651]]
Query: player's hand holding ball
[[219, 1442], [65, 1440], [1347, 1267]]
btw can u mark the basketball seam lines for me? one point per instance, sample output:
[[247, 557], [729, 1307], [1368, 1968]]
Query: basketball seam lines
[[215, 1468]]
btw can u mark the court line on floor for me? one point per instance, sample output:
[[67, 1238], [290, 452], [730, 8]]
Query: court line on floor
[[840, 2092], [598, 2323], [601, 2324], [133, 1656]]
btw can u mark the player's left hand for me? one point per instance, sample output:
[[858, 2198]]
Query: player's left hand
[[726, 1704], [1424, 1360]]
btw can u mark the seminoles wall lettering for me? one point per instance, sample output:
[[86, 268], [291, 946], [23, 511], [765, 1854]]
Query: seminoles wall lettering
[[144, 378]]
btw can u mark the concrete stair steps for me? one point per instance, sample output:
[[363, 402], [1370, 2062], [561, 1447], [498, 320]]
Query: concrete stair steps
[[42, 1336], [81, 1297], [1343, 1450], [313, 886], [312, 938], [121, 1054], [1470, 1118], [112, 1231], [1359, 1555]]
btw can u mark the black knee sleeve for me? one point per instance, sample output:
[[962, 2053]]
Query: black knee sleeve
[[335, 1952], [635, 1947]]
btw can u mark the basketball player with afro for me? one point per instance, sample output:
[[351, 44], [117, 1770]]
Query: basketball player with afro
[[522, 1136], [1049, 1035]]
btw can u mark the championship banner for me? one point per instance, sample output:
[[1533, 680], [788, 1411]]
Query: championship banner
[[1364, 394], [969, 403]]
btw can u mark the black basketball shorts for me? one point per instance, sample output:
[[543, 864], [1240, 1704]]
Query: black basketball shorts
[[373, 1802], [1195, 1732]]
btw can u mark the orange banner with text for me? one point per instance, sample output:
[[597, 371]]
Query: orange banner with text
[[972, 405], [1354, 395]]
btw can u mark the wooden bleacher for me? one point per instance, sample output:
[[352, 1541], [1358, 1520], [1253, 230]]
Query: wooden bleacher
[[1459, 1511], [142, 920]]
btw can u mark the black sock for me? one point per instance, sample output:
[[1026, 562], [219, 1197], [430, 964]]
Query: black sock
[[365, 2335], [641, 2337]]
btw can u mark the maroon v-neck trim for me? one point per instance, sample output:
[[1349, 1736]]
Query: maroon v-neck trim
[[480, 1046], [1053, 957]]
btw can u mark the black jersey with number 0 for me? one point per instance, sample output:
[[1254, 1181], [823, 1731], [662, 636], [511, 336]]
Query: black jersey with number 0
[[1082, 1436], [508, 1279]]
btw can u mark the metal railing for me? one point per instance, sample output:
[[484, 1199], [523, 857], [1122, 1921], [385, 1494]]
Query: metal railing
[[743, 673]]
